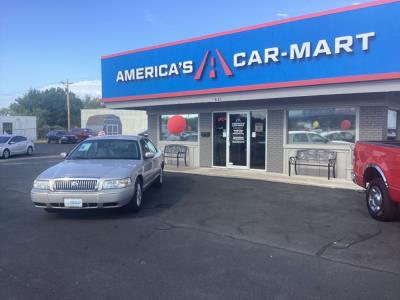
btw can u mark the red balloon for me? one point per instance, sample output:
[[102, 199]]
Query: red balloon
[[346, 124], [176, 124]]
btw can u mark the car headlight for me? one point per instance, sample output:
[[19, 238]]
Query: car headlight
[[117, 183], [41, 184]]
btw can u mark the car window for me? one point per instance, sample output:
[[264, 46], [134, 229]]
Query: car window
[[145, 146], [151, 146], [300, 138], [19, 139], [14, 139], [316, 138], [107, 149], [4, 139]]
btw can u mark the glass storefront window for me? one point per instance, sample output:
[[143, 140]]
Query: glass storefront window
[[392, 125], [322, 126], [179, 127]]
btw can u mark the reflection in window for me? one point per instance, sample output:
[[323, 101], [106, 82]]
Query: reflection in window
[[392, 125], [179, 127], [322, 126]]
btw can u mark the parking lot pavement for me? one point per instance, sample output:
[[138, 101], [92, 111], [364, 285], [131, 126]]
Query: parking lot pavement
[[198, 237]]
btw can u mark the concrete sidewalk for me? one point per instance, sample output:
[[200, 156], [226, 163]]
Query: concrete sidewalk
[[266, 176]]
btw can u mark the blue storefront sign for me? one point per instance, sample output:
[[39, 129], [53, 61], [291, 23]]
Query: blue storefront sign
[[345, 45]]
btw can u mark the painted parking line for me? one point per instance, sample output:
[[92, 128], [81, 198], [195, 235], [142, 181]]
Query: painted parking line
[[29, 162], [17, 159]]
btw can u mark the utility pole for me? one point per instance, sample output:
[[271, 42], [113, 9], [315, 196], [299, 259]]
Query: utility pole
[[66, 84]]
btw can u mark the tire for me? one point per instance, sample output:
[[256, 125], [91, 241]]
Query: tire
[[136, 202], [160, 179], [29, 151], [379, 204], [6, 154]]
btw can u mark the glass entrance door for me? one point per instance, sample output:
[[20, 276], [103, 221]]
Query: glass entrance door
[[237, 146], [258, 139]]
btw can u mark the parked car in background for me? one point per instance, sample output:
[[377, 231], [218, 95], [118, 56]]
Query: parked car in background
[[339, 136], [61, 136], [82, 133], [376, 168], [306, 137], [14, 145], [101, 172]]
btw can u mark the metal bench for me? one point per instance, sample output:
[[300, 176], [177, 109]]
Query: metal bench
[[176, 151], [316, 158]]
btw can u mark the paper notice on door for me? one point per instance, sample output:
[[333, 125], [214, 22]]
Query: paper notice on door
[[258, 127], [253, 134]]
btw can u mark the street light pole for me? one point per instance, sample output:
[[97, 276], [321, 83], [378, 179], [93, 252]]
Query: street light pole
[[66, 84]]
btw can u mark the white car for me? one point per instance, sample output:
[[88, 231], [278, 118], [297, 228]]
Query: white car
[[14, 145]]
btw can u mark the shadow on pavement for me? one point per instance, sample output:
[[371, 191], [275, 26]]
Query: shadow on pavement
[[156, 201]]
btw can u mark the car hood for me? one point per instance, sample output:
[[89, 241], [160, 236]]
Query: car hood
[[101, 168]]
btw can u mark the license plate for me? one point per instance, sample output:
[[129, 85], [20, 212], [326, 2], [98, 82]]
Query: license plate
[[72, 202]]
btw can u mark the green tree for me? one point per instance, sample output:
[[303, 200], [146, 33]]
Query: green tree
[[49, 106], [92, 102]]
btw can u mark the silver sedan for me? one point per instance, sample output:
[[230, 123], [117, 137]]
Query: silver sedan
[[14, 145], [101, 172]]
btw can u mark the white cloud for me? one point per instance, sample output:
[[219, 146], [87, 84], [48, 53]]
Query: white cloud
[[282, 15], [81, 88], [356, 3]]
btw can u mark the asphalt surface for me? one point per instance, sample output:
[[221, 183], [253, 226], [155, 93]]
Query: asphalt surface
[[196, 238]]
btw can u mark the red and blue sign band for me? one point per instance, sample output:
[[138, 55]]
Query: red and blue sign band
[[346, 45]]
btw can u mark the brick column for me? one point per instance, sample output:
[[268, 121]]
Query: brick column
[[373, 123], [275, 134]]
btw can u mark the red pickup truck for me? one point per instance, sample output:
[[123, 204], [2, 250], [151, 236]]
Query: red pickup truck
[[376, 167]]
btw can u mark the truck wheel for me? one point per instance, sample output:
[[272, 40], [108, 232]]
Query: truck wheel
[[379, 204], [136, 202]]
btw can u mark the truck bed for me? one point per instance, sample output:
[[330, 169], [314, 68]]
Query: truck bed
[[393, 143]]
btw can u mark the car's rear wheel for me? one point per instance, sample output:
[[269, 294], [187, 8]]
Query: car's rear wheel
[[160, 179], [136, 202], [379, 204], [6, 154], [29, 151]]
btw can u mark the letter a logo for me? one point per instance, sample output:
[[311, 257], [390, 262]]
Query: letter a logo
[[213, 71]]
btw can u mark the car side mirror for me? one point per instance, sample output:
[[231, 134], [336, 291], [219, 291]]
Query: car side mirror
[[11, 143], [148, 155], [63, 154]]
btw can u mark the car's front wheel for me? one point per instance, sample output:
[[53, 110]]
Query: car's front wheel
[[379, 204], [29, 151], [136, 202], [6, 154]]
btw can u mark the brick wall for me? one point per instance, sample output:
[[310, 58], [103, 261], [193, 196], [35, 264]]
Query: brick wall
[[152, 127], [205, 123], [275, 141], [373, 123]]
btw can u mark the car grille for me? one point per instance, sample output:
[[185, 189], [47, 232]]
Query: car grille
[[75, 185]]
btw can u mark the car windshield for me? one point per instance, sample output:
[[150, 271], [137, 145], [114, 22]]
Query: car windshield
[[4, 139], [107, 149]]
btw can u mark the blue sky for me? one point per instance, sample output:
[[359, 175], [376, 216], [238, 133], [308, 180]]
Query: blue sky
[[44, 41]]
